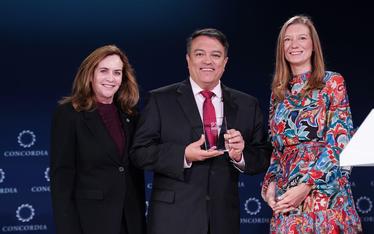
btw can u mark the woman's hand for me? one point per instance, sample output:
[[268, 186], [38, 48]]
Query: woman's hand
[[292, 198], [269, 197]]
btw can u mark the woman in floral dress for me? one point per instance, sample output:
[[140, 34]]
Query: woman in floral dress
[[310, 123]]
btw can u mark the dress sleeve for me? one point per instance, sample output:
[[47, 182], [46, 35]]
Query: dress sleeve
[[324, 173], [274, 168]]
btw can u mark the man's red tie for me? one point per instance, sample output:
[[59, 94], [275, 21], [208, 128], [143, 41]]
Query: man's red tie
[[209, 118]]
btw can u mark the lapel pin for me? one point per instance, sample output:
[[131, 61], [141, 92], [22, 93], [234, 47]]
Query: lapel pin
[[128, 120]]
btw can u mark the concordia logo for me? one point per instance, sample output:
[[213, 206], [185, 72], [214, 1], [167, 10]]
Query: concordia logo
[[146, 207], [46, 174], [6, 190], [362, 207], [25, 213], [26, 139], [256, 202], [22, 136], [252, 206], [2, 175], [30, 212], [40, 189]]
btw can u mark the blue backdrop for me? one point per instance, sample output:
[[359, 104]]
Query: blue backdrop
[[43, 42]]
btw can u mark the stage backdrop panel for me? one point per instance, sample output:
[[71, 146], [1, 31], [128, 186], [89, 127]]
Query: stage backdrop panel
[[43, 42]]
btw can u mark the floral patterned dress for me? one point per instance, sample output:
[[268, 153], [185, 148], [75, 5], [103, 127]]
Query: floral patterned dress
[[308, 133]]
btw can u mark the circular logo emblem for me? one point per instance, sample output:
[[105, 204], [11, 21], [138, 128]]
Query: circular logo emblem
[[252, 206], [26, 138], [25, 213], [364, 204], [146, 207], [2, 175], [46, 174]]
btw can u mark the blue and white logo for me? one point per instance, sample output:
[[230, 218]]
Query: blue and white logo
[[25, 213], [364, 204], [2, 175], [46, 174], [26, 138], [252, 206], [146, 207]]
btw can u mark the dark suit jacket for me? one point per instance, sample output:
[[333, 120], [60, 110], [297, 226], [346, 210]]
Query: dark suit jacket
[[92, 185], [186, 201]]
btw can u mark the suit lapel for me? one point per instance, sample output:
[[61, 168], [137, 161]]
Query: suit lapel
[[126, 123], [188, 105], [99, 131]]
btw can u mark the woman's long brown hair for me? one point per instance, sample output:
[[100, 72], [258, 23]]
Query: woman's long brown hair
[[283, 72], [83, 96]]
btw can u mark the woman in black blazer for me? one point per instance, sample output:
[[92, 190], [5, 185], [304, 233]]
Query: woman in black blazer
[[95, 188]]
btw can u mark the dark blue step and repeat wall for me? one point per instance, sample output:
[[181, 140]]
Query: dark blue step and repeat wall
[[42, 43]]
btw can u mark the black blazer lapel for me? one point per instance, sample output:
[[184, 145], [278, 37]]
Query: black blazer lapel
[[99, 131], [188, 105], [127, 125]]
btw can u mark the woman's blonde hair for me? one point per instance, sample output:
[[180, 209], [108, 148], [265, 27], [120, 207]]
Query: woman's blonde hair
[[283, 71], [83, 96]]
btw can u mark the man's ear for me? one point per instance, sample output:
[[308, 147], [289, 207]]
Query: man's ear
[[225, 62], [188, 59]]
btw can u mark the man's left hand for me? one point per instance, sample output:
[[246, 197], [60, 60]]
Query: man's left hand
[[235, 143]]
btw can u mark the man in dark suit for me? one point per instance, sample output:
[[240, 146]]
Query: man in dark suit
[[195, 189]]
